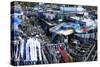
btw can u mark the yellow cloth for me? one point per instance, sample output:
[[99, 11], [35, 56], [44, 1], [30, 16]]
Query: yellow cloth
[[65, 32]]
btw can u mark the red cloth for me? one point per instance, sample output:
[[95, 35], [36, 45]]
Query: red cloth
[[65, 55], [84, 30]]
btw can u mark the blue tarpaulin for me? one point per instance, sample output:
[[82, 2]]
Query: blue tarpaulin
[[16, 20], [68, 9]]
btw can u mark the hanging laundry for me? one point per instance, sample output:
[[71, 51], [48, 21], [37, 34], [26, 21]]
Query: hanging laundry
[[65, 56], [32, 44]]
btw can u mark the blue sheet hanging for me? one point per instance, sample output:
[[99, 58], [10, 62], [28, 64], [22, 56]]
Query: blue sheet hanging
[[16, 20]]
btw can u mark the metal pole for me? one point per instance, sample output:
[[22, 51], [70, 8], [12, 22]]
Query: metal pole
[[90, 53]]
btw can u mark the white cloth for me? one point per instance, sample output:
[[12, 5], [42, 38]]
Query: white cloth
[[22, 47], [27, 49], [49, 16], [33, 43]]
